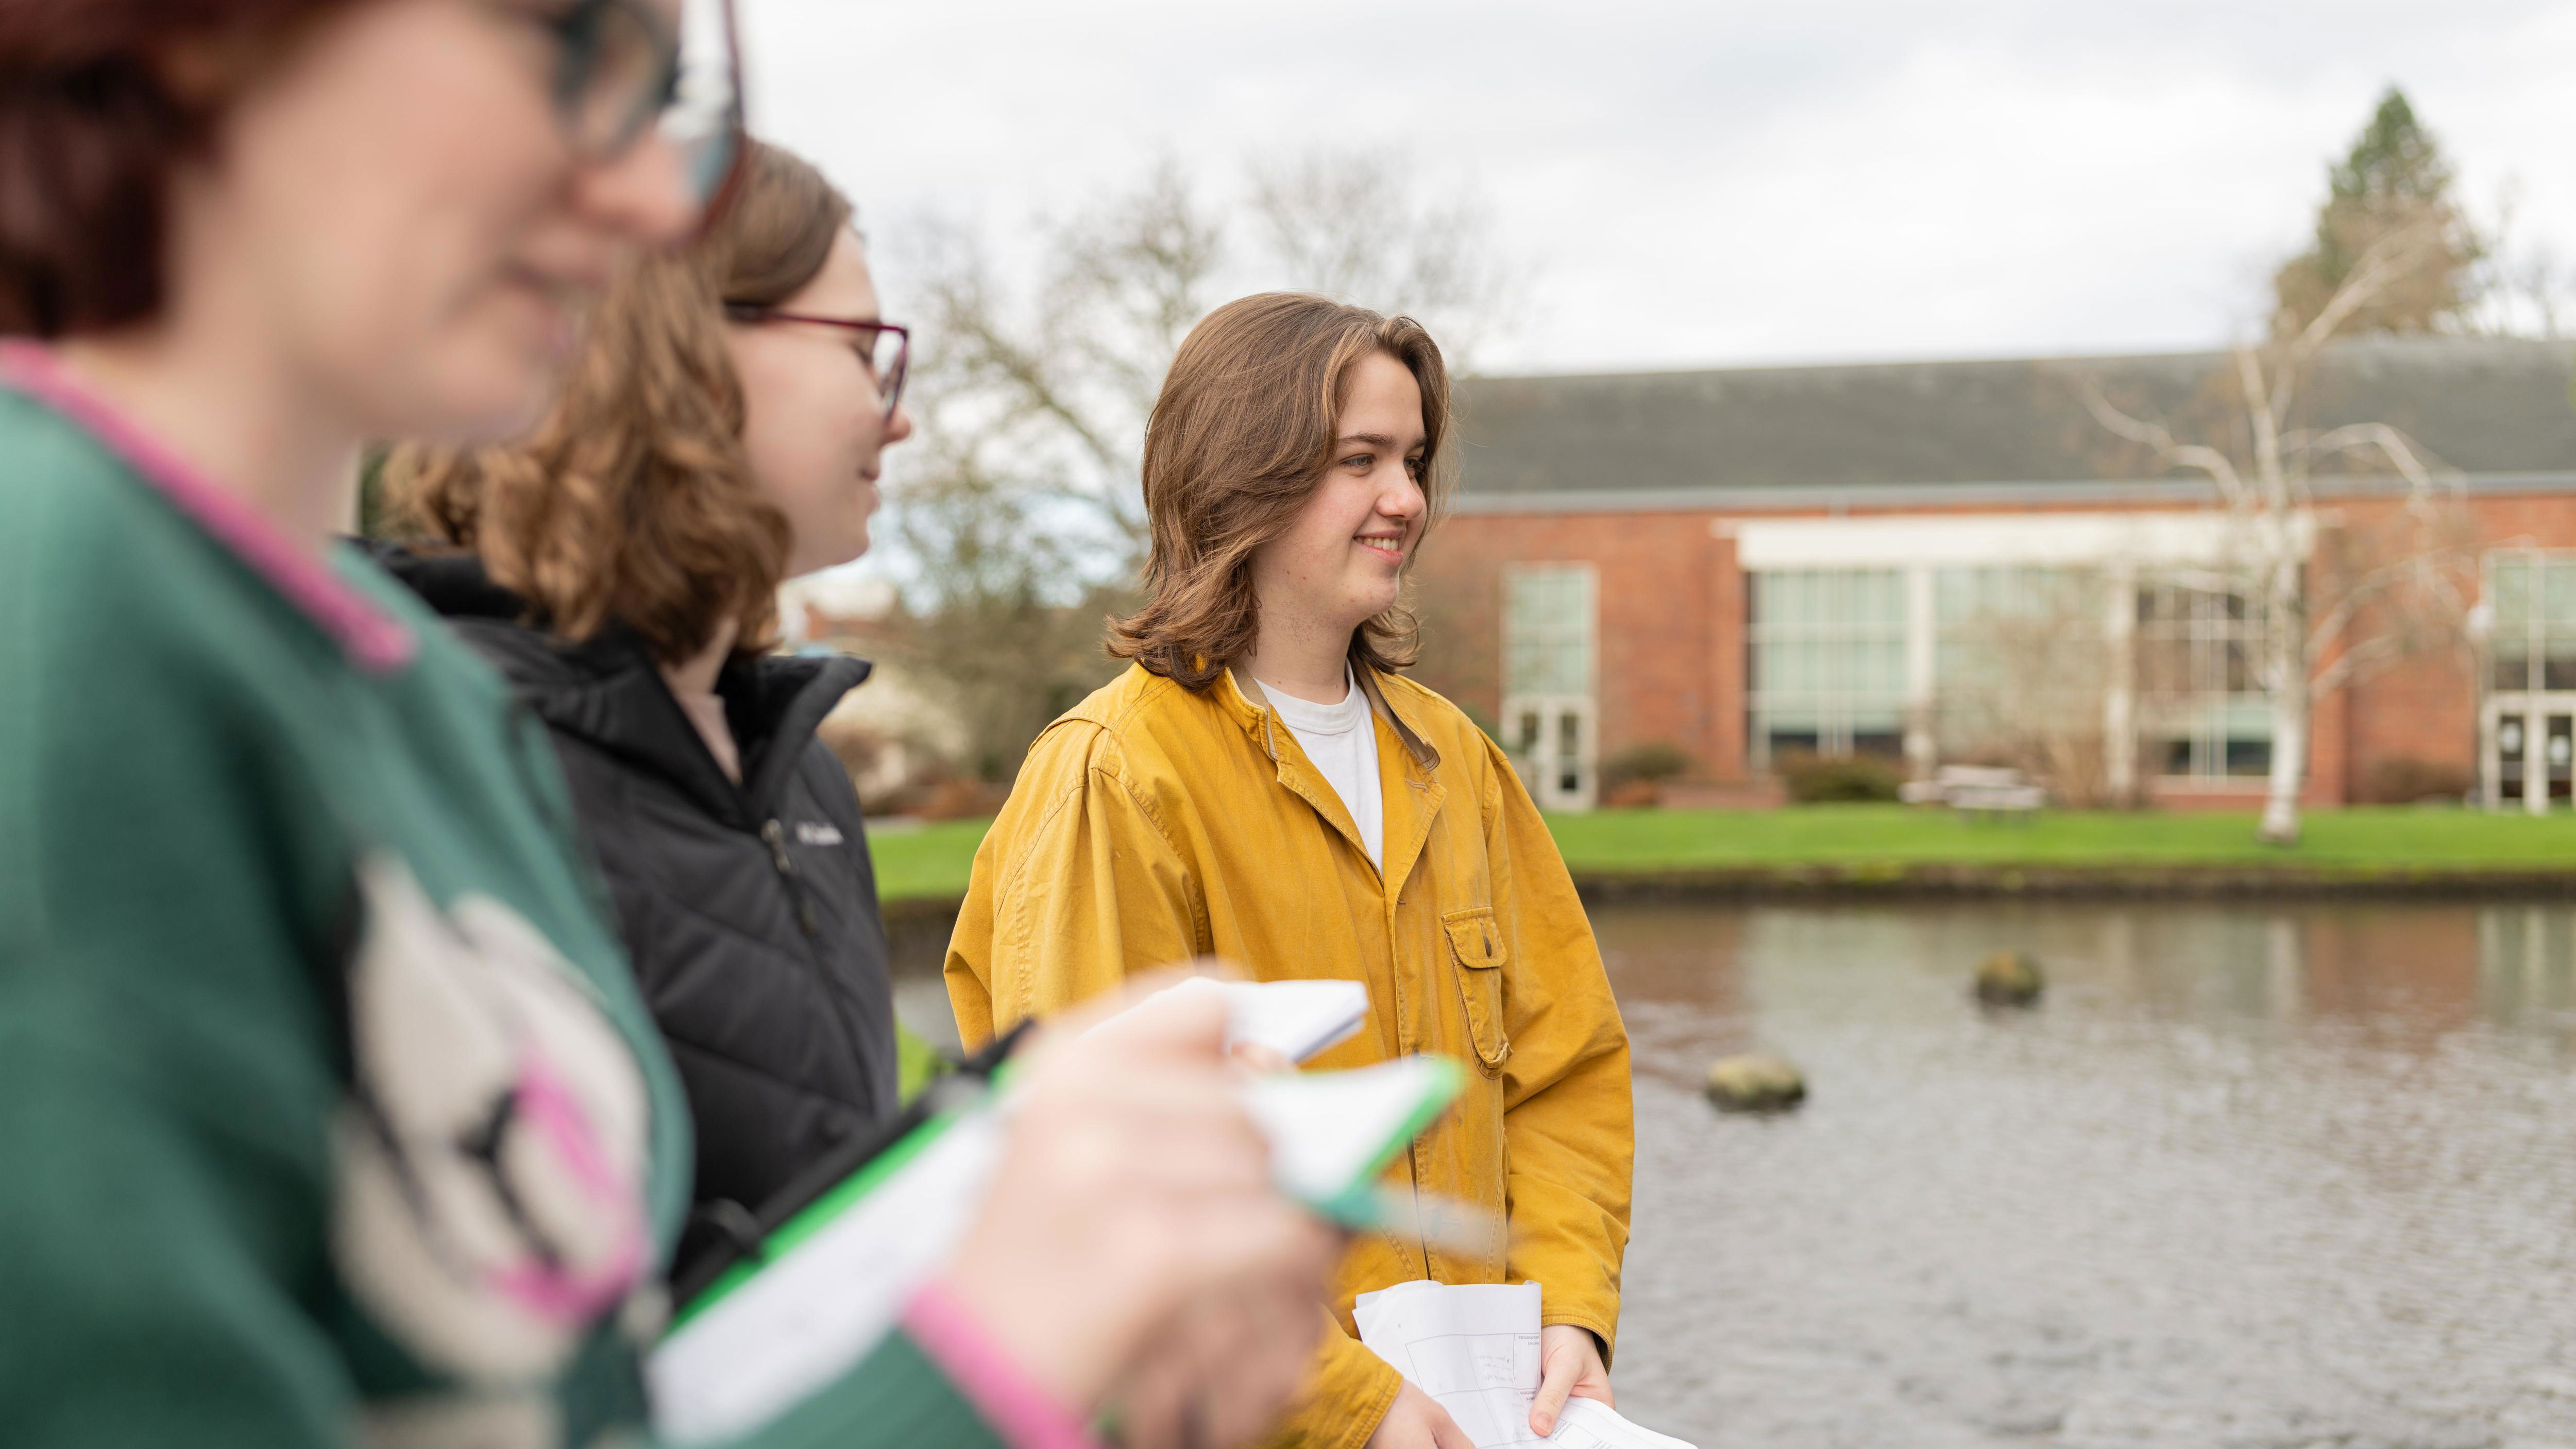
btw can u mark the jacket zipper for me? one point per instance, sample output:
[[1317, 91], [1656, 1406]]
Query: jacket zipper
[[776, 835]]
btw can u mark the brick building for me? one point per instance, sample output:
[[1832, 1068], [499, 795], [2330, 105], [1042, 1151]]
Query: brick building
[[1956, 560]]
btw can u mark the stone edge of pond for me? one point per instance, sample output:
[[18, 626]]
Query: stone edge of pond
[[1894, 880], [917, 930], [918, 913], [917, 927]]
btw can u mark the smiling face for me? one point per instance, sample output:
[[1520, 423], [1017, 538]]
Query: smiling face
[[395, 221], [814, 424], [1341, 563]]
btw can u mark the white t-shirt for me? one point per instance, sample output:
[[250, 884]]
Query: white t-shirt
[[1341, 740]]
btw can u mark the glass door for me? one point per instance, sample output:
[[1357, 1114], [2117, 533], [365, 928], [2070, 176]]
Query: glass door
[[2558, 756], [2529, 718], [2531, 751], [1550, 669], [2510, 756], [1553, 740]]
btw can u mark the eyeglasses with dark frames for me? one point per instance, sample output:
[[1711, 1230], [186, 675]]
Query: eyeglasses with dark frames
[[623, 68], [887, 368]]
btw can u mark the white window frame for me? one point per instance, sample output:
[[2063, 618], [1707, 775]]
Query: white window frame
[[2539, 716], [2200, 714], [1835, 711], [1552, 727], [2134, 550]]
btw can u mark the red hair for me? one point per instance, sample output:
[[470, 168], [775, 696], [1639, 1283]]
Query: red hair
[[95, 113]]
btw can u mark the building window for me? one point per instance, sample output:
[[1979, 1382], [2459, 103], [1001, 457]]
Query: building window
[[2531, 640], [2527, 733], [2020, 659], [1550, 717], [1828, 662], [2202, 703], [1548, 629]]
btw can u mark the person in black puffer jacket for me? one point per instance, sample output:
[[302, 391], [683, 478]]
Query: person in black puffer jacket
[[750, 908], [722, 430]]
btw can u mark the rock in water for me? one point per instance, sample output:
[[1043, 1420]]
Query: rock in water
[[1756, 1082], [2009, 978]]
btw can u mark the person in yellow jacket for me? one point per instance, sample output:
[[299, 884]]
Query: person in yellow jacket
[[1262, 785]]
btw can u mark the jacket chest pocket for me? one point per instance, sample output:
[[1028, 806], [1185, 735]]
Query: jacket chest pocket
[[1476, 945]]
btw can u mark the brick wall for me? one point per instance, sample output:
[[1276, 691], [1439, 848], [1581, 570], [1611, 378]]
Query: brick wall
[[1672, 655], [1670, 626]]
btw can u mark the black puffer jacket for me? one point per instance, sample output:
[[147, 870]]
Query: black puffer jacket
[[751, 910]]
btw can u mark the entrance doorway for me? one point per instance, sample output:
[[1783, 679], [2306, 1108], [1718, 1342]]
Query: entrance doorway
[[1554, 738], [2529, 741]]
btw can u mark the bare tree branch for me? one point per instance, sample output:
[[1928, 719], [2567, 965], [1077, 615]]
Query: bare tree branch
[[2265, 406], [1033, 400], [2155, 436], [1362, 226], [2364, 659], [2367, 623], [2386, 261], [2394, 447]]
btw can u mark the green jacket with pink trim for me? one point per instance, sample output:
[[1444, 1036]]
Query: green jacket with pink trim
[[329, 1113]]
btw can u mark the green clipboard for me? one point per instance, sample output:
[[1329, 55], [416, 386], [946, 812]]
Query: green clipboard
[[1332, 1134]]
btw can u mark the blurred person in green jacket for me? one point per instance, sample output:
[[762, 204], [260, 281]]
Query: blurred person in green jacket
[[330, 1111]]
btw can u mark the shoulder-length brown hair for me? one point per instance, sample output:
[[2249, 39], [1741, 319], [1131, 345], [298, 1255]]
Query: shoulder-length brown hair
[[633, 501], [1239, 440]]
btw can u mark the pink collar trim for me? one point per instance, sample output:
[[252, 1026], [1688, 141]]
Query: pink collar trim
[[375, 640], [1021, 1413]]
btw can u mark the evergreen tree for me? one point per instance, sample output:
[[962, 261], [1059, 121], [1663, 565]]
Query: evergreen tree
[[2395, 178]]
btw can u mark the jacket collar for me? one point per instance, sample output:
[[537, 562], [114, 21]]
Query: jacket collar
[[608, 692], [614, 696], [372, 638], [1408, 813], [1251, 707]]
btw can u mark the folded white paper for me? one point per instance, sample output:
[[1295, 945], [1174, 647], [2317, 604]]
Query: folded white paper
[[1590, 1424], [1296, 1019], [1328, 1130], [1475, 1348]]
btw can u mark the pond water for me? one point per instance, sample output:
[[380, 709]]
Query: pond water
[[2249, 1176]]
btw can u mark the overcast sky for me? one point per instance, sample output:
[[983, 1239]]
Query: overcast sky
[[1718, 183]]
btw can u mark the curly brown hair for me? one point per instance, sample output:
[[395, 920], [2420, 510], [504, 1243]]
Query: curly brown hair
[[1239, 439], [633, 502]]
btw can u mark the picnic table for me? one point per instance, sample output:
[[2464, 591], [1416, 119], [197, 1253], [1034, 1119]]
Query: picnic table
[[1978, 792]]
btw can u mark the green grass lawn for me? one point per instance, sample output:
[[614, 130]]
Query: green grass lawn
[[929, 861], [933, 861], [2401, 838]]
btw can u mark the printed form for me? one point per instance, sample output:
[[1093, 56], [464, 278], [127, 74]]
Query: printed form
[[1475, 1348]]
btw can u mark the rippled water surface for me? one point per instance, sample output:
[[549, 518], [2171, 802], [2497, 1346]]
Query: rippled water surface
[[2250, 1176]]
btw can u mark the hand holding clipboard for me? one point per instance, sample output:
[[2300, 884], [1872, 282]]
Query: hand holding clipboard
[[833, 1271]]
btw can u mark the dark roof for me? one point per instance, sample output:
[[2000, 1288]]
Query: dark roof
[[2479, 406]]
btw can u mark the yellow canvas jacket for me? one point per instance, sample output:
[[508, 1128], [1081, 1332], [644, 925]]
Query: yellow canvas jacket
[[1151, 825]]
